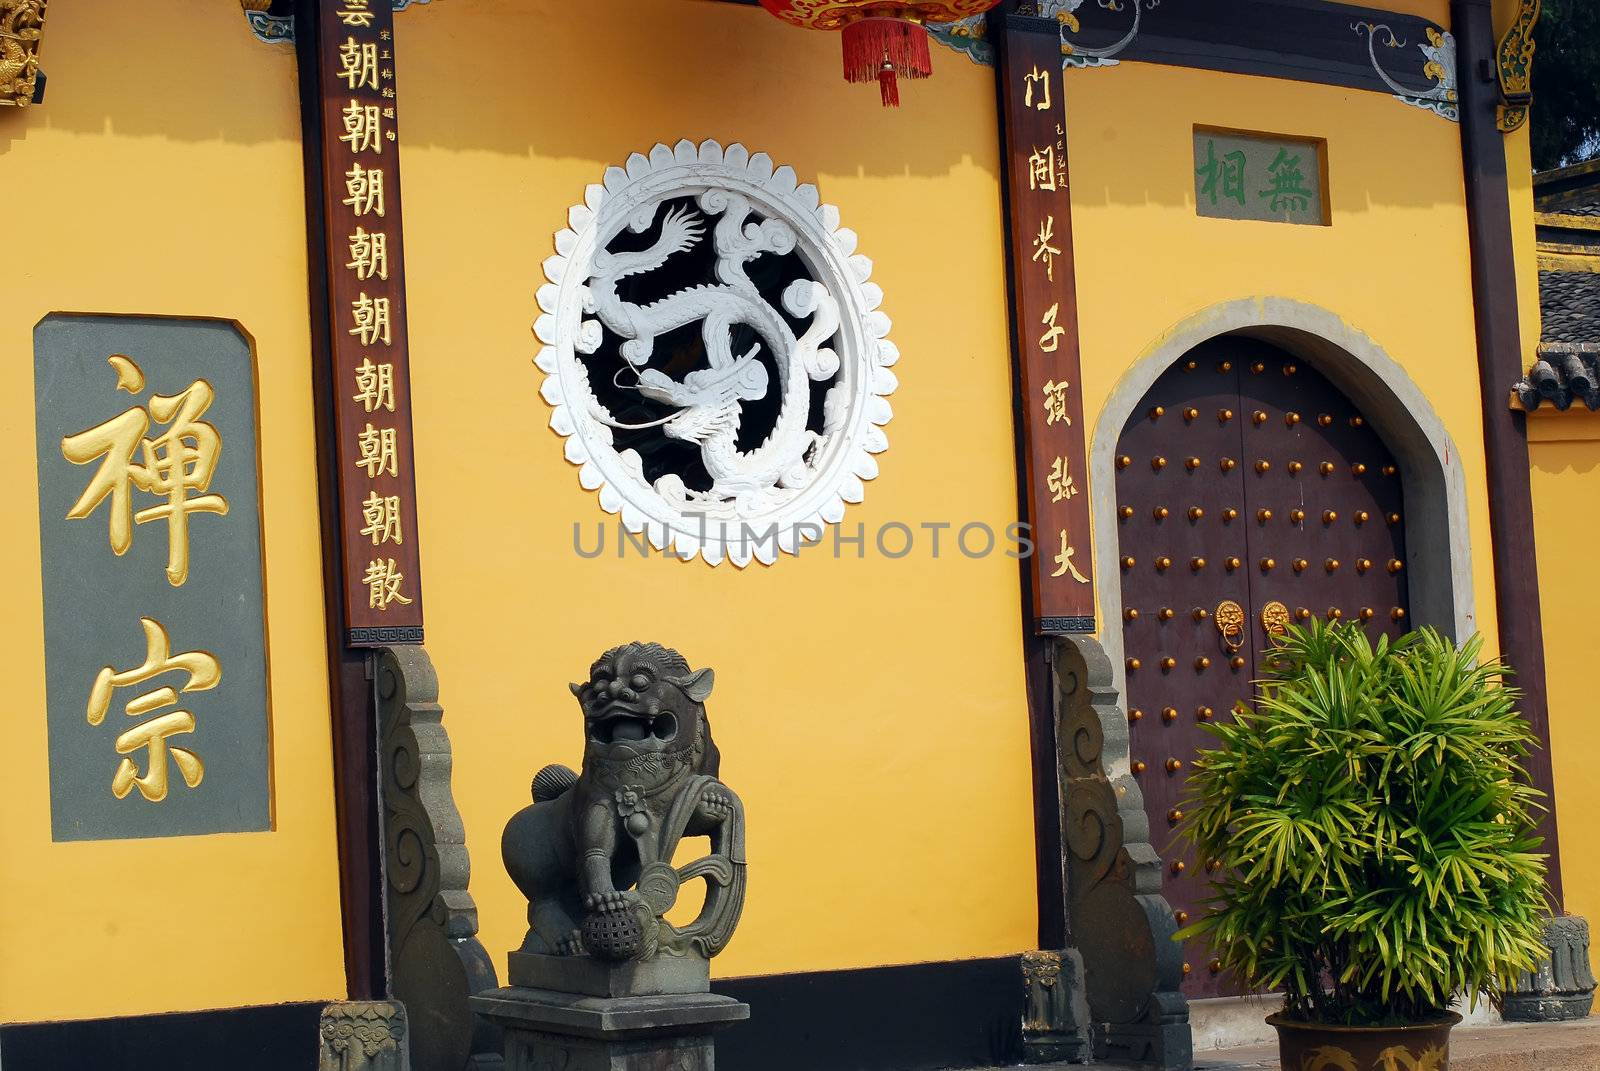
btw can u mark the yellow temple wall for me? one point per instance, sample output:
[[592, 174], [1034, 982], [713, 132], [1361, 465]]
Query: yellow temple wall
[[175, 194], [870, 710], [1564, 450]]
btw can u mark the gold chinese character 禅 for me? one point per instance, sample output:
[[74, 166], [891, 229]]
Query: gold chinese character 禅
[[204, 672], [176, 465]]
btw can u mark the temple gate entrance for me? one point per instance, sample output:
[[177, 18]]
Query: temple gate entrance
[[1250, 493]]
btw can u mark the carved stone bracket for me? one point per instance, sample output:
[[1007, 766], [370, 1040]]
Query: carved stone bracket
[[363, 1035], [1118, 920], [436, 960], [1514, 67], [1563, 986]]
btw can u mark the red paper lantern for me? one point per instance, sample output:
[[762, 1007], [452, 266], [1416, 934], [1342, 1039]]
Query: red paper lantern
[[883, 39]]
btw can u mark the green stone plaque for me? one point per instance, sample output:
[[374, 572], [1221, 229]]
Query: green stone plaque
[[154, 609], [1261, 177]]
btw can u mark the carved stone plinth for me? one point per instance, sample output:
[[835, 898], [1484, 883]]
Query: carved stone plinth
[[1563, 987], [364, 1035], [550, 1031], [1055, 1022]]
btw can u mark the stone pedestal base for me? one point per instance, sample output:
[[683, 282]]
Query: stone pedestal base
[[550, 1031], [1563, 987]]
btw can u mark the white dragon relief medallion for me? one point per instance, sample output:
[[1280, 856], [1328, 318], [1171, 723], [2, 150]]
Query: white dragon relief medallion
[[714, 353]]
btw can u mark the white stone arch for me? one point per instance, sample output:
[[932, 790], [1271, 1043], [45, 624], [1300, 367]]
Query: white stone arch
[[1435, 488]]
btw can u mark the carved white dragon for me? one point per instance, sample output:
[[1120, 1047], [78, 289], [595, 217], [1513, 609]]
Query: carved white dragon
[[708, 401]]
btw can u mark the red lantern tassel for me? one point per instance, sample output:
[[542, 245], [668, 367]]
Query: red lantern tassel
[[886, 50], [889, 86]]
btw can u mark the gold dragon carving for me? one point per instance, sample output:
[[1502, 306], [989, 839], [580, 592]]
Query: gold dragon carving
[[21, 26]]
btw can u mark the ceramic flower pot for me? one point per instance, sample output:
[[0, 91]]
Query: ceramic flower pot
[[1320, 1047]]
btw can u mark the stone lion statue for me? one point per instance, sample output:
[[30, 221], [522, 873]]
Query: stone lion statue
[[593, 853]]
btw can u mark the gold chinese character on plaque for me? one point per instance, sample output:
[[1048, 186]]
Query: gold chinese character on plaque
[[362, 127], [176, 465], [1063, 561], [356, 13], [363, 187], [381, 516], [1050, 341], [374, 385], [1062, 485], [1044, 252], [1055, 403], [371, 319], [203, 671], [1042, 174], [378, 452], [1036, 89], [369, 254], [358, 64], [383, 584]]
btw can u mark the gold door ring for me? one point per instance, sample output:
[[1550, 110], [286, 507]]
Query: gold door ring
[[1230, 622]]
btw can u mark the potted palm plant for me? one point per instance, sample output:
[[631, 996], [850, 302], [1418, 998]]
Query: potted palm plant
[[1374, 829]]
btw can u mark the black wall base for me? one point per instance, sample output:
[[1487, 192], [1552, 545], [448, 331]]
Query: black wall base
[[966, 1013], [277, 1037]]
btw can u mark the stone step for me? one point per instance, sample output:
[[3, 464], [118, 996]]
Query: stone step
[[1502, 1047]]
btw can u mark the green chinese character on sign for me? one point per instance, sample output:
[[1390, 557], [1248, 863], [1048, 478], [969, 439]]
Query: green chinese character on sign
[[1288, 183], [1224, 176]]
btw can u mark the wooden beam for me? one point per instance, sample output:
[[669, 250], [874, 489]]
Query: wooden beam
[[1494, 291]]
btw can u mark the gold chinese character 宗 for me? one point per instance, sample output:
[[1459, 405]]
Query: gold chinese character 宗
[[204, 672], [176, 465]]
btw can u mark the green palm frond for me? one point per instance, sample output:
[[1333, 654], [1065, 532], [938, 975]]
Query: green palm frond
[[1374, 824]]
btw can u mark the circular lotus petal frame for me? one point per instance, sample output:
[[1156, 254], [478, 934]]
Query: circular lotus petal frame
[[857, 408]]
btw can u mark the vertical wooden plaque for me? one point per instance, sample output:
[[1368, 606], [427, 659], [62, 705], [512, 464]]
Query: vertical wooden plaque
[[1044, 307], [366, 302]]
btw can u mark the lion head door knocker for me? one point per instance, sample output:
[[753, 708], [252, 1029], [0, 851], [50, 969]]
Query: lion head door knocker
[[1230, 620], [1275, 621]]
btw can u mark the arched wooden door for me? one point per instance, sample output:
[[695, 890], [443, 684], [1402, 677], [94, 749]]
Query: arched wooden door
[[1249, 491]]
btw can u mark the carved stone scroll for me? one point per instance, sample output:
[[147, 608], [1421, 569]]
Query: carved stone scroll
[[436, 961], [1117, 918]]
